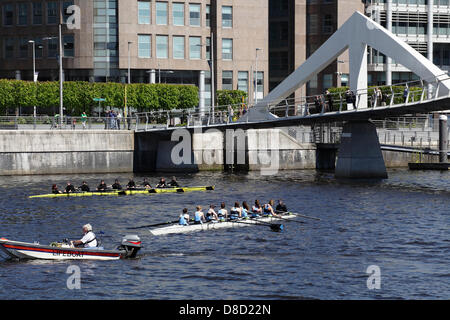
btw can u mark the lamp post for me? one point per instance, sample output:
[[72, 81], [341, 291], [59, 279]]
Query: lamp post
[[34, 69], [212, 74], [256, 76], [129, 62]]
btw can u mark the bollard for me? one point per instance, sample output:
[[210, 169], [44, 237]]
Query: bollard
[[443, 139]]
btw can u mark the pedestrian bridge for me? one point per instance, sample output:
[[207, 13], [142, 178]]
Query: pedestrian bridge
[[359, 153]]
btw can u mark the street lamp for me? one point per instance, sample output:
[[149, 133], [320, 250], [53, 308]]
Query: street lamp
[[129, 62], [212, 73], [61, 105], [339, 78], [34, 69], [256, 76]]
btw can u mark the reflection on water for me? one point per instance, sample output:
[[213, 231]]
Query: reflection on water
[[400, 224]]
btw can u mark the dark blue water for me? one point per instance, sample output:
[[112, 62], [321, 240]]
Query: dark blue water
[[400, 225]]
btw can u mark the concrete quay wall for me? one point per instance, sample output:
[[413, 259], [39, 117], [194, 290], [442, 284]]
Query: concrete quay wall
[[27, 152]]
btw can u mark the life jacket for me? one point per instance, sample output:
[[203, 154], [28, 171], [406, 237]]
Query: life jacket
[[95, 238]]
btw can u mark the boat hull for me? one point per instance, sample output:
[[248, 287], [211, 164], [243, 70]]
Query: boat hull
[[123, 192], [24, 250], [174, 229]]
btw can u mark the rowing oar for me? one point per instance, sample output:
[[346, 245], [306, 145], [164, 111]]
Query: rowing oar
[[157, 224], [273, 226], [299, 215]]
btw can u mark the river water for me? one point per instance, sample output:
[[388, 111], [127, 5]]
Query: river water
[[399, 225]]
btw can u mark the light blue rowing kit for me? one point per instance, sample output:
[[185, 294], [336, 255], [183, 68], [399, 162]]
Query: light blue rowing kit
[[244, 213], [197, 217], [255, 212], [221, 214], [267, 209], [234, 213], [183, 221]]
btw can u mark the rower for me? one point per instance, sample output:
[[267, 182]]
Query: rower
[[222, 213], [131, 184], [162, 183], [235, 212], [69, 188], [146, 184], [184, 218], [89, 239], [256, 209], [173, 183], [199, 216], [84, 187], [102, 186], [245, 210], [281, 207], [55, 189], [116, 185], [211, 215], [268, 209]]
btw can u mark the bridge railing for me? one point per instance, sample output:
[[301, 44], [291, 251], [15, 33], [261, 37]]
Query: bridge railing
[[374, 97]]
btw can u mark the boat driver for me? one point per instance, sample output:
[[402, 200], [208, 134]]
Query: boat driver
[[88, 241]]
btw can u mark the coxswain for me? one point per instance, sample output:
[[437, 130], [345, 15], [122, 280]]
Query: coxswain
[[162, 183], [146, 184], [235, 212], [84, 187], [222, 213], [116, 185], [199, 216], [102, 186], [131, 184], [89, 239], [268, 209], [69, 188], [55, 189], [256, 209], [184, 218], [173, 183], [211, 215], [281, 207], [245, 210]]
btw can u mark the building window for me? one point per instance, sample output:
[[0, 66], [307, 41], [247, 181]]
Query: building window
[[195, 48], [178, 14], [39, 49], [37, 13], [162, 47], [227, 80], [259, 83], [208, 15], [178, 47], [9, 48], [52, 47], [23, 48], [327, 26], [161, 13], [327, 81], [69, 46], [227, 17], [144, 46], [144, 12], [313, 82], [194, 15], [227, 49], [243, 81], [52, 12], [8, 15], [22, 14], [208, 48]]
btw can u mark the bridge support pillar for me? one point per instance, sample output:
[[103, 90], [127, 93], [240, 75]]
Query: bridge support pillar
[[443, 139], [359, 155]]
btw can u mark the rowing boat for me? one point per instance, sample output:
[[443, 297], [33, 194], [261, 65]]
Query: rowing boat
[[63, 251], [176, 228], [124, 192]]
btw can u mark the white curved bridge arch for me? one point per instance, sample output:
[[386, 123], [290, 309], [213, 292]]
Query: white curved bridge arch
[[355, 34]]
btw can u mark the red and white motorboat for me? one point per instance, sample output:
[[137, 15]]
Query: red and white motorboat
[[129, 247]]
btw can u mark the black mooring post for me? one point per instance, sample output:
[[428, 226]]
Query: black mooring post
[[443, 139]]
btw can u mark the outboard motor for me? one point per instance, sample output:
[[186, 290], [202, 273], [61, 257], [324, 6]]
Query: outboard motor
[[131, 244]]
